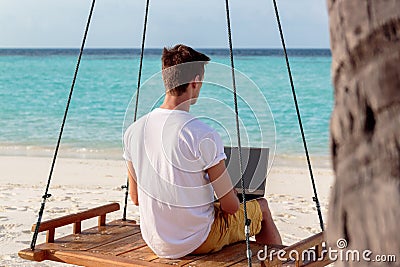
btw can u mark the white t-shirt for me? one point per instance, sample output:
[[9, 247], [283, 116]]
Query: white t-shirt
[[170, 151]]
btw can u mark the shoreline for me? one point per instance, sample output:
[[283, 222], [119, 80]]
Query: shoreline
[[115, 153], [79, 184]]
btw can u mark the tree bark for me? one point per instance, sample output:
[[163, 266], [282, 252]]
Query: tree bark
[[365, 128]]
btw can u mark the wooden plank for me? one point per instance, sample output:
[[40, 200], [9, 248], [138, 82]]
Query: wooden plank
[[77, 228], [90, 238], [256, 262], [121, 246], [143, 253], [97, 236], [69, 219], [84, 258], [256, 249], [93, 237], [50, 235], [226, 257], [102, 220], [244, 263], [307, 243], [321, 263], [179, 262], [33, 255], [299, 247], [311, 244]]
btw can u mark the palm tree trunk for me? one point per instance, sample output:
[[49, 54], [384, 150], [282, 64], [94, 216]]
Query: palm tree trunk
[[365, 127]]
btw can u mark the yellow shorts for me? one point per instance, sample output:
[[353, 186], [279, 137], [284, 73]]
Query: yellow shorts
[[229, 229]]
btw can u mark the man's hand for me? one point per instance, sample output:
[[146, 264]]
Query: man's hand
[[223, 188]]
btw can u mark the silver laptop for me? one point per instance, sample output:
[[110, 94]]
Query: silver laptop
[[255, 162]]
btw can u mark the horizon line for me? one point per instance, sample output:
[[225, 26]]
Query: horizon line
[[224, 48]]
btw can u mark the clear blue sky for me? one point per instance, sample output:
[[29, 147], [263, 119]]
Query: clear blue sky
[[199, 23]]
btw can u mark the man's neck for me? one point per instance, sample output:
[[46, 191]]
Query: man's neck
[[176, 102]]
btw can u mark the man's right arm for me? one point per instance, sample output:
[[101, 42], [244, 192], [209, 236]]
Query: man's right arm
[[222, 184], [132, 183]]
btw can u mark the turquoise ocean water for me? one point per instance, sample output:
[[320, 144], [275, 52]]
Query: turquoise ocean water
[[34, 87]]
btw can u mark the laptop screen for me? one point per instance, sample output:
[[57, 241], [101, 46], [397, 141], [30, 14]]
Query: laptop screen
[[255, 162]]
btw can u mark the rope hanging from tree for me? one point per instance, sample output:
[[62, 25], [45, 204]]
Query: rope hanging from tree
[[137, 97], [46, 194], [315, 198], [246, 219]]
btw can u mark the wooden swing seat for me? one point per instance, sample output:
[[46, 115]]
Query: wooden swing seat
[[119, 243]]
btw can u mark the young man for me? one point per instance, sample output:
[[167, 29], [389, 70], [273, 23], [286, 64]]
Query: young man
[[176, 163]]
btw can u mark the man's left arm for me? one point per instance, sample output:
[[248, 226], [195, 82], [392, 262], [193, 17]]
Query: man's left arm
[[133, 192], [223, 187]]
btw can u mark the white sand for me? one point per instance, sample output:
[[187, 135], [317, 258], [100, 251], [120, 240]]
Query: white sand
[[79, 184]]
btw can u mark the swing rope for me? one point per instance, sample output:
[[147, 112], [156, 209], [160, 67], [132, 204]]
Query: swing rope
[[137, 97], [315, 198], [46, 194], [247, 220]]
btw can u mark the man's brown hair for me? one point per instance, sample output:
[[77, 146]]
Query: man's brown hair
[[180, 65]]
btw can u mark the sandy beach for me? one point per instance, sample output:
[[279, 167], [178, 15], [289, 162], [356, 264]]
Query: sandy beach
[[79, 184]]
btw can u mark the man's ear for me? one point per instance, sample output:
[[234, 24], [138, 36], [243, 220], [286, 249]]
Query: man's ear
[[194, 82]]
